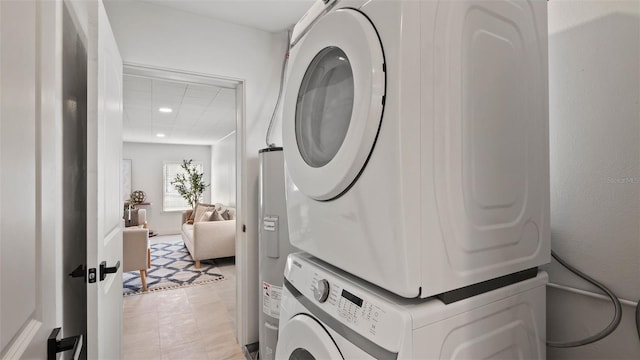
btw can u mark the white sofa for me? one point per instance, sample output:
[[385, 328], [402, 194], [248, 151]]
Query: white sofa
[[209, 239]]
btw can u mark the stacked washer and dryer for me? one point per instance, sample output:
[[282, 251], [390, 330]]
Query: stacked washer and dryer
[[415, 138]]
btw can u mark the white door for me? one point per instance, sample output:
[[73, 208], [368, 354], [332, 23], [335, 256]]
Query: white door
[[333, 103], [104, 204], [30, 190]]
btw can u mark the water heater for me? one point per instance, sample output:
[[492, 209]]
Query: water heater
[[274, 246]]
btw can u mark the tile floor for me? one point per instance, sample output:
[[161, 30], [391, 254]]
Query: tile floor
[[195, 322]]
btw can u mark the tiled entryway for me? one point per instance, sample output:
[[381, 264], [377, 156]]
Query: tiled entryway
[[187, 323]]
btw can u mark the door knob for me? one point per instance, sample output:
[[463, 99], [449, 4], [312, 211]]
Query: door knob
[[104, 270], [80, 271], [55, 346]]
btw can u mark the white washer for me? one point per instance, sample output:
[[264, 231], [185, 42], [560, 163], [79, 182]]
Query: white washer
[[416, 140], [357, 321]]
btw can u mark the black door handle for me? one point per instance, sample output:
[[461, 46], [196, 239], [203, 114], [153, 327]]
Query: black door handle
[[104, 270], [80, 271], [55, 346]]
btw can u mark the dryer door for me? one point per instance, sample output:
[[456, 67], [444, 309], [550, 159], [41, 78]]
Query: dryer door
[[303, 338], [333, 103]]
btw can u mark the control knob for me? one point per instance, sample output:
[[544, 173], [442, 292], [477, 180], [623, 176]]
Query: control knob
[[322, 290]]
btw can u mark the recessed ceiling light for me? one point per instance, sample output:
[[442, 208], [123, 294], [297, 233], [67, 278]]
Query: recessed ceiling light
[[160, 135], [165, 110]]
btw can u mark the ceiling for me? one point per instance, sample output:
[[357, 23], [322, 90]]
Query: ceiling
[[267, 15], [201, 114]]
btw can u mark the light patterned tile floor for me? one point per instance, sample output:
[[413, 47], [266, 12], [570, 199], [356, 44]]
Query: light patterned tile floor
[[195, 322]]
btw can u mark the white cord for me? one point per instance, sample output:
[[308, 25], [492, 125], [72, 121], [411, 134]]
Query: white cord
[[275, 109]]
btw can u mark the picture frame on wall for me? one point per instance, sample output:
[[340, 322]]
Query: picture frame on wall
[[126, 179]]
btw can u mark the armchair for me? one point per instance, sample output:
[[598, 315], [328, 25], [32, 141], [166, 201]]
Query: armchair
[[136, 252]]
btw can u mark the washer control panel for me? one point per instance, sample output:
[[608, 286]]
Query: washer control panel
[[348, 302], [351, 308]]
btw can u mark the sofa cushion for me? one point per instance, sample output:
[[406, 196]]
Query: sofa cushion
[[187, 231]]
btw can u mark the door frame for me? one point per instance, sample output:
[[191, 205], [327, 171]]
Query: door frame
[[242, 251]]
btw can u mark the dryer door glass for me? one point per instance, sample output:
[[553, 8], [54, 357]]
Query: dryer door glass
[[301, 354], [325, 103]]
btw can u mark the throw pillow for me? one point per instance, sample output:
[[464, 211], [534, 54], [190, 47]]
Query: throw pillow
[[226, 215], [206, 216], [188, 215], [201, 209], [192, 215], [215, 216], [195, 208], [232, 214]]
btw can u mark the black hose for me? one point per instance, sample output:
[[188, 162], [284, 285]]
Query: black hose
[[616, 303], [638, 319]]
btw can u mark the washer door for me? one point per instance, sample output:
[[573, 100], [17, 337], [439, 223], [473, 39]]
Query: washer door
[[303, 338], [333, 103]]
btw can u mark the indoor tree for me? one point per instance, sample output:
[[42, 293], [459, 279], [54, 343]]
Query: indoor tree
[[190, 184]]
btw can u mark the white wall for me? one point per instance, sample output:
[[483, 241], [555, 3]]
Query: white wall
[[223, 173], [594, 80], [179, 40], [147, 162]]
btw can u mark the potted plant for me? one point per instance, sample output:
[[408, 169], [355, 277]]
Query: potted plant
[[190, 185]]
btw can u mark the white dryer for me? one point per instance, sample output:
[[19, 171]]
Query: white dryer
[[416, 140], [328, 314]]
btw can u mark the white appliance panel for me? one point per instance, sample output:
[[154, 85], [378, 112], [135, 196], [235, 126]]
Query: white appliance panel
[[455, 190], [505, 323]]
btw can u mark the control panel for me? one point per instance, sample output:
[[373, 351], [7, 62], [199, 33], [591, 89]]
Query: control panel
[[351, 304]]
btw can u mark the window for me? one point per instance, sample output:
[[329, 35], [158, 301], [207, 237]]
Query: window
[[171, 199]]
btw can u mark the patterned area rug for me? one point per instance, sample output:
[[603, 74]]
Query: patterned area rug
[[171, 267]]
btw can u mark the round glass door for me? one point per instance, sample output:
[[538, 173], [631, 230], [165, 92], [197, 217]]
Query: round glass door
[[303, 338], [324, 106], [333, 103], [301, 354]]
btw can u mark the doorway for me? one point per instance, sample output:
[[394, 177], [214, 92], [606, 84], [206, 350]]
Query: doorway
[[170, 116]]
